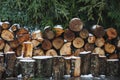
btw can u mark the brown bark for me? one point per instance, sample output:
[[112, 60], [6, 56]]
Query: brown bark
[[38, 52], [5, 25], [2, 44], [111, 33], [46, 44], [84, 33], [58, 30], [109, 48], [51, 52], [69, 35], [99, 51], [15, 27], [98, 31], [57, 43], [7, 35], [89, 47], [100, 42], [113, 56], [75, 24], [78, 42], [66, 49], [91, 39], [18, 51]]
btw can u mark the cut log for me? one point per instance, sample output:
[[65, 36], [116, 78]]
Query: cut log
[[100, 42], [111, 33], [57, 43], [7, 48], [14, 44], [99, 51], [78, 42], [75, 24], [22, 31], [46, 44], [113, 56], [89, 47], [109, 48], [5, 25], [15, 27], [69, 35], [67, 65], [66, 49], [91, 38], [77, 51], [2, 67], [38, 52], [98, 31], [58, 30], [7, 35], [51, 52], [84, 33], [35, 43], [2, 44], [18, 51]]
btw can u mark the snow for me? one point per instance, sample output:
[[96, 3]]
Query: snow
[[38, 31], [85, 52], [10, 52], [46, 27], [41, 57], [27, 60], [112, 59], [89, 75], [58, 26], [75, 19], [90, 34]]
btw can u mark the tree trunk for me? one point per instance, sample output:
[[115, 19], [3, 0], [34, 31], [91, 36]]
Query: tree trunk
[[113, 56], [69, 35], [78, 42], [46, 44], [18, 51]]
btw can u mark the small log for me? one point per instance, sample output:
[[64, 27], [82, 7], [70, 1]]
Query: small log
[[57, 43], [85, 62], [2, 44], [89, 47], [18, 51], [69, 35], [27, 68], [91, 38], [22, 31], [103, 65], [113, 56], [84, 33], [66, 49], [43, 66], [7, 48], [38, 52], [112, 67], [95, 64], [14, 44], [15, 27], [35, 43], [75, 67], [78, 42], [77, 51], [51, 52], [98, 31], [58, 30], [109, 48], [7, 35], [111, 33], [99, 51], [75, 24], [5, 25], [100, 42], [46, 44], [27, 49]]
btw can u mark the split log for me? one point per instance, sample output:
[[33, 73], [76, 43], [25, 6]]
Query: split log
[[15, 27], [99, 51], [89, 47], [78, 42], [111, 33], [46, 44], [5, 25], [2, 44], [27, 49], [98, 31], [18, 51], [22, 31], [91, 38], [48, 33], [38, 52], [84, 33], [57, 43], [69, 35], [7, 48], [100, 42], [85, 62], [14, 44], [77, 51], [7, 35], [58, 30], [51, 52], [109, 48], [75, 24], [66, 49], [75, 67], [35, 43], [113, 56]]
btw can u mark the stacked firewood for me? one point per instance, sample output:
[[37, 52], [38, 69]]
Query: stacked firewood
[[58, 41]]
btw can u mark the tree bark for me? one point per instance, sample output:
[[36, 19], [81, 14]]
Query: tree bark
[[89, 47]]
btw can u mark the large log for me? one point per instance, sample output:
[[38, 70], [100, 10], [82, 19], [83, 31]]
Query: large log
[[78, 42], [66, 49], [75, 24], [98, 31], [89, 47], [69, 35], [38, 52], [111, 33], [91, 38], [7, 35], [46, 44], [109, 48], [100, 42], [99, 51], [57, 43], [51, 52], [58, 30], [84, 33]]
